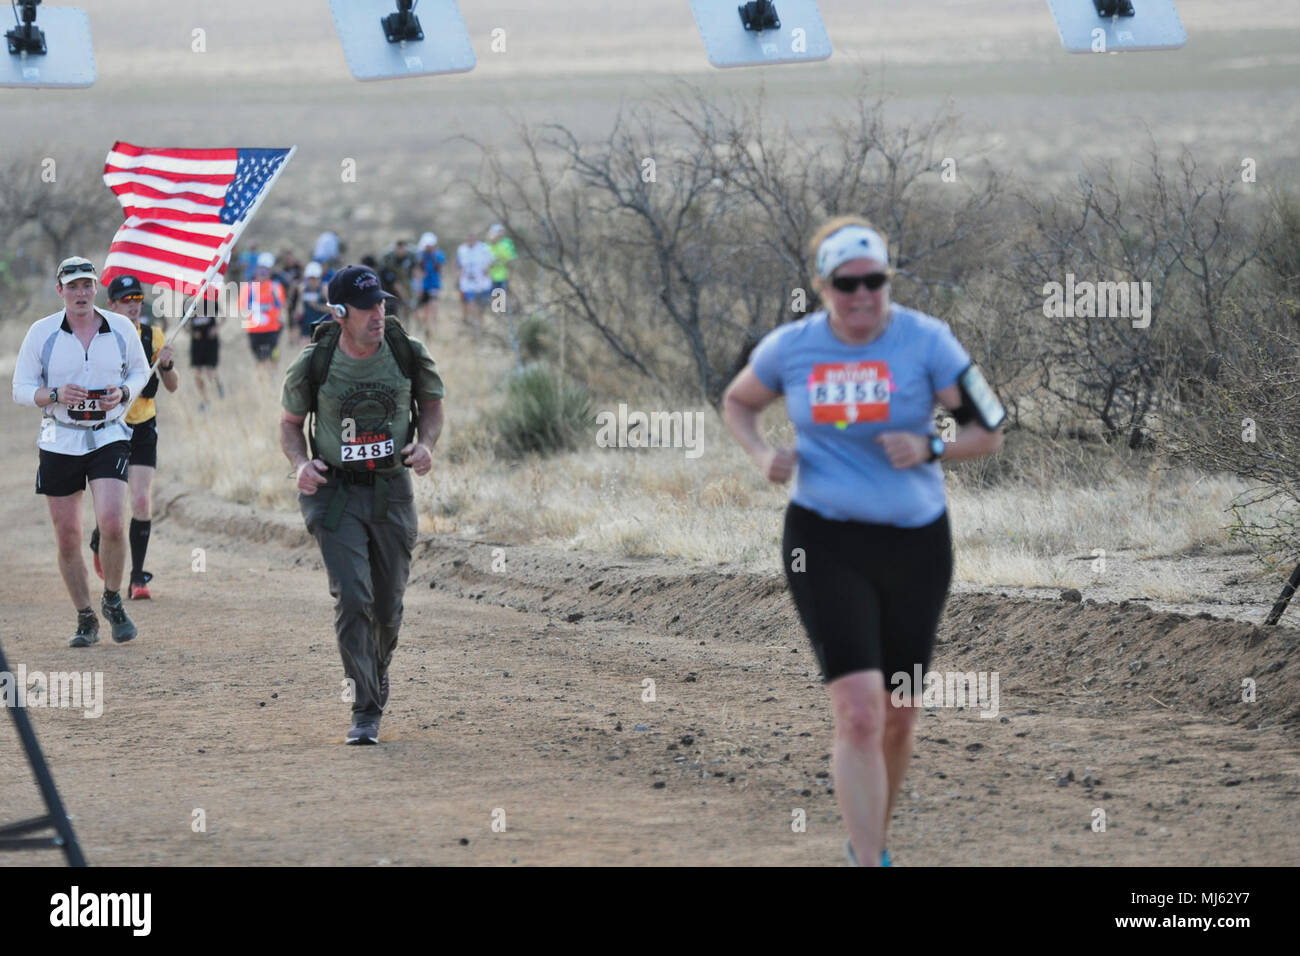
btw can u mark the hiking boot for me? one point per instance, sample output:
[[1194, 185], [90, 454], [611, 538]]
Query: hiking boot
[[94, 552], [87, 629], [364, 730], [123, 629]]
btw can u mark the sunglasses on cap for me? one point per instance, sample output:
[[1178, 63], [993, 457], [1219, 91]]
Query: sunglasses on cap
[[872, 280], [131, 297], [74, 269]]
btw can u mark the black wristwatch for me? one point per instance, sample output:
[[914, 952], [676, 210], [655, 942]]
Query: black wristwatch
[[937, 447]]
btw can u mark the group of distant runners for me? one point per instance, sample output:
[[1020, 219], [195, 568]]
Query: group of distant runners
[[283, 292], [866, 548]]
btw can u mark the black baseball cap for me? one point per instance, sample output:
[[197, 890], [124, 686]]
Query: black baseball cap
[[358, 286], [123, 286]]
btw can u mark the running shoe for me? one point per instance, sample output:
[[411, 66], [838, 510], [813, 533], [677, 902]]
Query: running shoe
[[139, 589], [87, 629], [94, 550], [364, 730], [885, 858], [123, 629]]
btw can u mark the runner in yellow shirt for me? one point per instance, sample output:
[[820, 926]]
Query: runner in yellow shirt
[[126, 297]]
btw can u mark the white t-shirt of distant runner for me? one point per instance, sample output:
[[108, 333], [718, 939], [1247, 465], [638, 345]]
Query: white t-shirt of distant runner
[[474, 262], [51, 355]]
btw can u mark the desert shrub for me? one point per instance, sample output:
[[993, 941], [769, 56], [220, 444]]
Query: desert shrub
[[542, 414]]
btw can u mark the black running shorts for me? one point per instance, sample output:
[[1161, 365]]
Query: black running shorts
[[870, 596], [204, 353], [62, 475], [264, 344], [144, 443]]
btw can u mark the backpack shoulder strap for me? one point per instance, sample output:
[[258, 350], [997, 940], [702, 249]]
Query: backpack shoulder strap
[[400, 344], [324, 340]]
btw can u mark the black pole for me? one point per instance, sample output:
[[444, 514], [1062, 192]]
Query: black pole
[[1285, 597], [57, 818]]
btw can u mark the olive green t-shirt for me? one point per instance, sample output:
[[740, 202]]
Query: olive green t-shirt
[[373, 394]]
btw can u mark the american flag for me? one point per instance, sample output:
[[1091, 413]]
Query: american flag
[[183, 207]]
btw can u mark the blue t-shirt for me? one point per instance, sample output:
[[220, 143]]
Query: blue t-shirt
[[431, 263], [840, 397]]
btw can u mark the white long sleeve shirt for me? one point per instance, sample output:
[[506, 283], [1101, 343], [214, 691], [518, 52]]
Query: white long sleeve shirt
[[51, 355], [474, 262]]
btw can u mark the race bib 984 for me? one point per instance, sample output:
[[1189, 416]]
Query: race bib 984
[[88, 409], [842, 393]]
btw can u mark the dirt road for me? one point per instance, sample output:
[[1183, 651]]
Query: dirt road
[[518, 698]]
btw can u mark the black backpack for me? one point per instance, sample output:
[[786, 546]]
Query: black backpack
[[146, 339], [325, 339]]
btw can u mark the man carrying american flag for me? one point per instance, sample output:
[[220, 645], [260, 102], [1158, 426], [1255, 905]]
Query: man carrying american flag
[[185, 209]]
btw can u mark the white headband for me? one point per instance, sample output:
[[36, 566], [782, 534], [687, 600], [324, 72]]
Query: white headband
[[851, 242]]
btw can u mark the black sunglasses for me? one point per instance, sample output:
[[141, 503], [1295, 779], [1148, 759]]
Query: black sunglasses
[[71, 270], [872, 280]]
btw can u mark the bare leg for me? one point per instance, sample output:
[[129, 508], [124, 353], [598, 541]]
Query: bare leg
[[65, 512], [139, 479], [858, 701], [109, 496], [900, 722]]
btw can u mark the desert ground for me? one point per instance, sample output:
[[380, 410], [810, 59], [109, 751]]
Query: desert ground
[[518, 684]]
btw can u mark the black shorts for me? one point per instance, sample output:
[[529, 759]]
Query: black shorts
[[203, 352], [429, 295], [870, 596], [62, 475], [264, 344], [144, 443]]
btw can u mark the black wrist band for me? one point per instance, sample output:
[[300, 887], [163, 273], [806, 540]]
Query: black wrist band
[[166, 368]]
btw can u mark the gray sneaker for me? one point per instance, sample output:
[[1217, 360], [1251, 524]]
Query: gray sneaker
[[87, 630], [123, 629], [364, 730]]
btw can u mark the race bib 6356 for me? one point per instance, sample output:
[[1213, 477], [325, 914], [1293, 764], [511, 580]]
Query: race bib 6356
[[841, 393]]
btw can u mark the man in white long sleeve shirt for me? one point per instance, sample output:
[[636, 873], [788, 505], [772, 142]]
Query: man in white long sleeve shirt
[[82, 366]]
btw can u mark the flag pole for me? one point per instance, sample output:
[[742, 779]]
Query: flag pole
[[226, 245]]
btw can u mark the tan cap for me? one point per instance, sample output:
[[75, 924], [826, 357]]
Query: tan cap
[[75, 267]]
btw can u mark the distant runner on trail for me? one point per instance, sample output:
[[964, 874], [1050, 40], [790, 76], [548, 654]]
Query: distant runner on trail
[[503, 253], [264, 303], [126, 297], [866, 549], [430, 260], [82, 366], [367, 385], [205, 349], [473, 259], [312, 310]]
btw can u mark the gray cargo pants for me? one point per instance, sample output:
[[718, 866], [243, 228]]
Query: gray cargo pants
[[368, 561]]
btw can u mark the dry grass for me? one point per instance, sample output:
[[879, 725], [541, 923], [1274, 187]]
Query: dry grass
[[714, 509]]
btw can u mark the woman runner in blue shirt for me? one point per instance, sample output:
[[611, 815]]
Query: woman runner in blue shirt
[[866, 548]]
